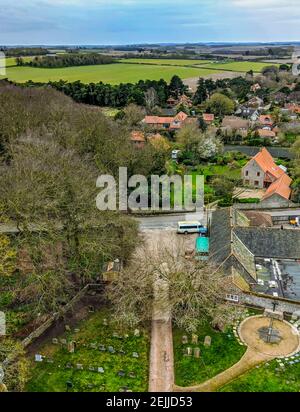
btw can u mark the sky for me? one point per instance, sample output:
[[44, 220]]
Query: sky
[[97, 22]]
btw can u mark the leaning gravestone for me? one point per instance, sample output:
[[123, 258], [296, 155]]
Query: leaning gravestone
[[71, 347], [63, 341], [207, 341], [197, 352], [184, 340], [194, 339]]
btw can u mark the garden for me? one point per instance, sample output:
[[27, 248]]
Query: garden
[[96, 356]]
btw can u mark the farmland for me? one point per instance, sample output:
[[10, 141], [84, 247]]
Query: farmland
[[113, 74], [129, 70]]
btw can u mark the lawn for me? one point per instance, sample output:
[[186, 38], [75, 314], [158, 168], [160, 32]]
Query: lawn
[[113, 73], [239, 66], [224, 352], [121, 369], [268, 378]]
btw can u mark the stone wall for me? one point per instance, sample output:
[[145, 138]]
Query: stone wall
[[255, 174], [267, 303]]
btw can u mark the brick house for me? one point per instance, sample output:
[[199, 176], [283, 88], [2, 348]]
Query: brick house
[[262, 172], [166, 123]]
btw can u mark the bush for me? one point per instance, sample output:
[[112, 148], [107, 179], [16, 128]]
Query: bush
[[249, 200]]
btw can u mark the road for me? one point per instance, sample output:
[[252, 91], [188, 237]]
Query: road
[[169, 222]]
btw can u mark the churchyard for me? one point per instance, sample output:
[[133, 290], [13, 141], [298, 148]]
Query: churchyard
[[202, 356], [94, 356]]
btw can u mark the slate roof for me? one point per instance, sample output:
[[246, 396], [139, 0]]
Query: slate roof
[[270, 243], [220, 236]]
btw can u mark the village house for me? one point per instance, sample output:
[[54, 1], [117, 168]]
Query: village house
[[208, 118], [249, 113], [255, 102], [182, 100], [293, 107], [138, 139], [166, 123], [235, 124], [262, 172], [266, 134], [255, 87], [266, 121]]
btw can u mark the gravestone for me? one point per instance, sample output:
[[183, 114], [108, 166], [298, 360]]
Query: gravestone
[[63, 341], [100, 369], [71, 347], [102, 348], [121, 373], [137, 333], [131, 375], [68, 328], [197, 352], [105, 323], [189, 351], [135, 355], [111, 349], [91, 368], [69, 366], [38, 358], [126, 336], [207, 341], [76, 330], [184, 340], [122, 352], [79, 366], [91, 309], [194, 339], [93, 345], [55, 341]]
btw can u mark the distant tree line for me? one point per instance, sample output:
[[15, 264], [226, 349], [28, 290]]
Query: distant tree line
[[67, 60], [24, 51]]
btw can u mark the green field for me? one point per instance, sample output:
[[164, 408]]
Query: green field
[[113, 73], [238, 66], [11, 61], [171, 62]]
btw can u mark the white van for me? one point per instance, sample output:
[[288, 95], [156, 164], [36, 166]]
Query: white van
[[191, 227]]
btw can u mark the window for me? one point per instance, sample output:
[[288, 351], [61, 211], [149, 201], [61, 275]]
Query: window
[[232, 298], [247, 182], [256, 183], [247, 173], [258, 174]]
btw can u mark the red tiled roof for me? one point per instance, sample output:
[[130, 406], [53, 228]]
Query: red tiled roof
[[180, 117], [158, 120], [266, 133], [207, 117], [137, 136], [267, 164], [266, 119], [280, 187], [295, 108]]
